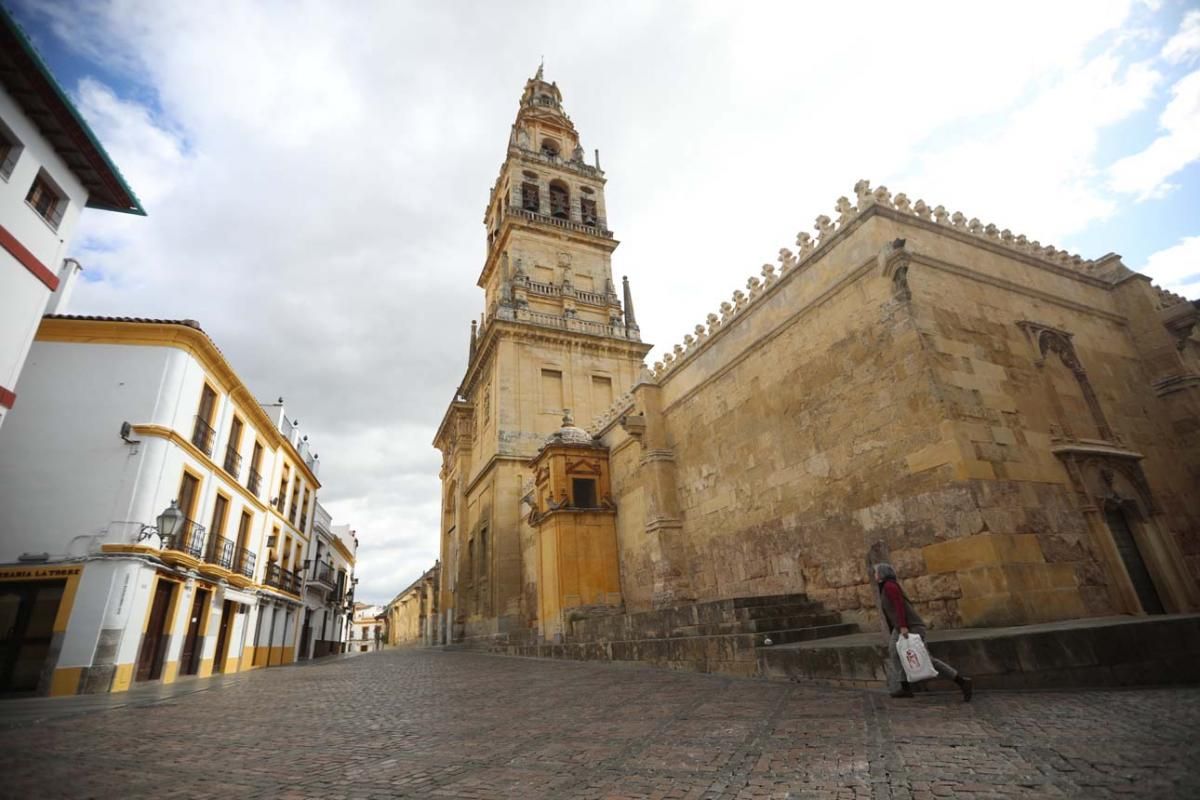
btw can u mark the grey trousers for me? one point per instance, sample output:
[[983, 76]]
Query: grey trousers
[[895, 673]]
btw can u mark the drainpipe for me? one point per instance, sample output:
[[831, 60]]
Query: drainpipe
[[57, 302]]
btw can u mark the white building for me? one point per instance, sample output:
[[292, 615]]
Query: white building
[[328, 589], [123, 419], [51, 168], [366, 629]]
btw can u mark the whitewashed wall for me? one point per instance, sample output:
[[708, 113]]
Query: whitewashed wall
[[22, 296]]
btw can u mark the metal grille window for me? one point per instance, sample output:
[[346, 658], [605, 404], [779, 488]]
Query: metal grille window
[[46, 200]]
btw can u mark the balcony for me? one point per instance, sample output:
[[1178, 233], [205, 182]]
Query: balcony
[[596, 229], [203, 435], [189, 539], [321, 576], [253, 481], [233, 462], [245, 563], [283, 579], [220, 552]]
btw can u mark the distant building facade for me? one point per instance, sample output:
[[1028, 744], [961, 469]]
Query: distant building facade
[[412, 616], [1016, 428], [51, 168], [126, 420], [366, 629], [328, 589]]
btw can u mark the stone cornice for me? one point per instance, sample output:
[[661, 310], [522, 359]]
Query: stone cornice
[[498, 329], [1019, 288]]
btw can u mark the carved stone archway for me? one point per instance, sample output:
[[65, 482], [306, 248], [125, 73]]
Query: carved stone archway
[[1126, 527]]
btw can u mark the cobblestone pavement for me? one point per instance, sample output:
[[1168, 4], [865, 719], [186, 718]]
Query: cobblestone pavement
[[422, 723]]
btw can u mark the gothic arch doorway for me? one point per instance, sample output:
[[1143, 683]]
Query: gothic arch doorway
[[1142, 559], [1119, 517]]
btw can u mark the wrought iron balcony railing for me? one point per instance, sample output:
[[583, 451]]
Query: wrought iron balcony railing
[[188, 539], [203, 435], [233, 462], [245, 563], [220, 552], [283, 579], [253, 481]]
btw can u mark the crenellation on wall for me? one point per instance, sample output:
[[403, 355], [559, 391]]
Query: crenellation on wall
[[909, 382]]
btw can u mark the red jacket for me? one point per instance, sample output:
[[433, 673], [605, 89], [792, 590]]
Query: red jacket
[[891, 591]]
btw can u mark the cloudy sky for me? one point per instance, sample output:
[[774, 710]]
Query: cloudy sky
[[316, 172]]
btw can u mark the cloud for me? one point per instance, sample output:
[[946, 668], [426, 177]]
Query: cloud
[[1146, 173], [1177, 268], [1184, 46], [316, 175]]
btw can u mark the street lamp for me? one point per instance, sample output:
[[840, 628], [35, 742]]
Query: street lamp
[[169, 523]]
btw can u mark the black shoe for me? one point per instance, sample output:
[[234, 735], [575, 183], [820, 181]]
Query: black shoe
[[965, 685]]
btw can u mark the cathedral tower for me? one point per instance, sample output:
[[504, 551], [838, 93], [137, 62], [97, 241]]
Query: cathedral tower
[[554, 336]]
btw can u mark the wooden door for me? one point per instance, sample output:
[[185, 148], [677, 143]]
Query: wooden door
[[228, 610], [154, 642], [1135, 565], [189, 659], [305, 635]]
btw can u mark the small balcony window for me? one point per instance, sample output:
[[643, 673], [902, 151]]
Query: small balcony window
[[47, 200]]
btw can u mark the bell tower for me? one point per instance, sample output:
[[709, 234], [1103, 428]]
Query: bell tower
[[554, 335]]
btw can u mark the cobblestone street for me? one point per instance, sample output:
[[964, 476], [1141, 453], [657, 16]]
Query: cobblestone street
[[460, 725]]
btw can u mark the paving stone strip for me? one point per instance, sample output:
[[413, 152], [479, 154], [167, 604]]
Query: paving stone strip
[[435, 724]]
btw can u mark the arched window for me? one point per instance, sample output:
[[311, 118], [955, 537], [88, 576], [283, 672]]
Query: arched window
[[560, 200], [550, 148]]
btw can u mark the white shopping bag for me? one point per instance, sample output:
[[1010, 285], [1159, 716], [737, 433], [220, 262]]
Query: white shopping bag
[[918, 666]]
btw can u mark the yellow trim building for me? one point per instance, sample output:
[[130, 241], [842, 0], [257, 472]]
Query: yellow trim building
[[120, 418]]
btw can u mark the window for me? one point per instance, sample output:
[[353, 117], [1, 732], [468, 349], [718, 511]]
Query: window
[[550, 148], [10, 150], [254, 479], [584, 492], [244, 564], [294, 508], [552, 391], [530, 201], [281, 499], [560, 200], [233, 459], [602, 393], [203, 434], [220, 549], [189, 488], [304, 511], [47, 199], [483, 551], [220, 511]]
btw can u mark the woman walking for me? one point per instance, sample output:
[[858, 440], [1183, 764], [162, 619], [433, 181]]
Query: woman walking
[[902, 619]]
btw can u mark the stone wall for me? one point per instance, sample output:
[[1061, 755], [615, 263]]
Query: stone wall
[[897, 398]]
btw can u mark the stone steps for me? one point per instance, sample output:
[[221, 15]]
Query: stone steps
[[1108, 651], [761, 625], [714, 636]]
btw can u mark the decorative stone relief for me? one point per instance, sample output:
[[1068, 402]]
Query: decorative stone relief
[[1047, 341]]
